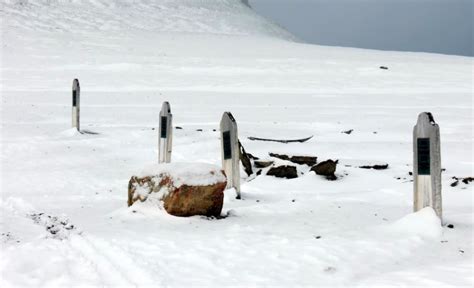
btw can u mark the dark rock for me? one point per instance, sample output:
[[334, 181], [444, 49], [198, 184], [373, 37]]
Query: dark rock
[[450, 226], [285, 171], [259, 172], [467, 180], [348, 131], [301, 160], [178, 128], [280, 156], [375, 167], [199, 130], [383, 67], [262, 163], [307, 160], [454, 184], [326, 168]]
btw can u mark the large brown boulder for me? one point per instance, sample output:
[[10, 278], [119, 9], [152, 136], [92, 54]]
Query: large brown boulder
[[185, 189]]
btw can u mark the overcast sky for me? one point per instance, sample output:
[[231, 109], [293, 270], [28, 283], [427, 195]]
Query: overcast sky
[[441, 26]]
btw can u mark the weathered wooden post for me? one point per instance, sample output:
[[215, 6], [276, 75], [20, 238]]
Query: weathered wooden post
[[427, 164], [165, 137], [76, 107], [230, 151]]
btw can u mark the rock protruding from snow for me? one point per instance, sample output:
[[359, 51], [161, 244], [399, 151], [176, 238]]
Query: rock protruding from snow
[[186, 189], [326, 168], [284, 171]]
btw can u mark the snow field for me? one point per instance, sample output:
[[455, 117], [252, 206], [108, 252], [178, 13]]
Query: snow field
[[356, 231]]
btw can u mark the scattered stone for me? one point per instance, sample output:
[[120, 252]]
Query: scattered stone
[[330, 269], [175, 184], [410, 173], [301, 160], [262, 163], [199, 130], [375, 167], [317, 237], [465, 180], [348, 131], [450, 226], [58, 226], [178, 128], [293, 200], [285, 171], [259, 172], [326, 168], [383, 67], [462, 251]]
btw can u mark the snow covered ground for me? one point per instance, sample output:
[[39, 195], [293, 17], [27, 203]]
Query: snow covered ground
[[64, 219]]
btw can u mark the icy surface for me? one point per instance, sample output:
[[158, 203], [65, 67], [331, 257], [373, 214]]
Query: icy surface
[[357, 231]]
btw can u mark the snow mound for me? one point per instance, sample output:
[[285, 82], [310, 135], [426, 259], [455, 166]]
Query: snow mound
[[424, 223], [192, 174], [231, 17]]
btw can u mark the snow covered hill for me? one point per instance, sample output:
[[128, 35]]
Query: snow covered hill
[[64, 219], [229, 17]]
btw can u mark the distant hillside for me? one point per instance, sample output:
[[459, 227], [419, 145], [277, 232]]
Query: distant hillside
[[230, 17]]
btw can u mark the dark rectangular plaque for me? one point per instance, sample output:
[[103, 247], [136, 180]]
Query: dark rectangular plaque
[[164, 127], [74, 98], [227, 145], [423, 146]]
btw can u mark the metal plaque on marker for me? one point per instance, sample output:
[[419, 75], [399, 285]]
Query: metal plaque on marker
[[227, 145], [164, 127], [74, 98], [423, 146]]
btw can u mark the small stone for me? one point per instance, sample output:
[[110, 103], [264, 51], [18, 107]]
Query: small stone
[[286, 171], [348, 131], [375, 167], [450, 226]]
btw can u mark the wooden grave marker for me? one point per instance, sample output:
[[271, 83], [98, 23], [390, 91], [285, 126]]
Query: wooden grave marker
[[427, 164], [230, 151], [165, 134], [76, 107]]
